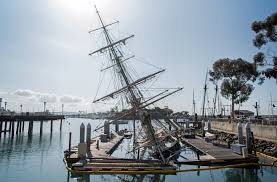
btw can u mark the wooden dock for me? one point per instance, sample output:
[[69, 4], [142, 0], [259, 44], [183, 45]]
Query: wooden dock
[[211, 155], [104, 150], [211, 151], [131, 166]]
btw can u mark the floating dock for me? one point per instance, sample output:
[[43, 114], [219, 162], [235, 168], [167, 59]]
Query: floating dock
[[104, 150], [99, 160], [214, 155], [123, 166]]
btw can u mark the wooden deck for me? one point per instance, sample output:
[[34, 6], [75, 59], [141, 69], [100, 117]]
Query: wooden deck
[[211, 151], [105, 148]]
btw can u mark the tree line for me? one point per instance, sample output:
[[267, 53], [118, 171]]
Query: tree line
[[236, 76]]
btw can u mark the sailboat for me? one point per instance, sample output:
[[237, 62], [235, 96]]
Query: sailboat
[[154, 135]]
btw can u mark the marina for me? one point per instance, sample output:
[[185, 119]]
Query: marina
[[79, 104]]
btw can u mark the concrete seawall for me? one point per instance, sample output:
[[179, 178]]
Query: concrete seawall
[[264, 132]]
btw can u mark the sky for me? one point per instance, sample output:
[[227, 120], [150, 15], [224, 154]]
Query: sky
[[45, 44]]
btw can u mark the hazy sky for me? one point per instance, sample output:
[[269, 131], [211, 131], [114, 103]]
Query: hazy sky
[[45, 44]]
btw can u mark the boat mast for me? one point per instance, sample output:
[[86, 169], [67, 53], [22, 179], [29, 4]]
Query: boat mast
[[204, 99], [193, 102], [215, 97], [135, 101]]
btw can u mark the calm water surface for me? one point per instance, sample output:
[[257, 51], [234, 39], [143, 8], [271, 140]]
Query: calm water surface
[[39, 158]]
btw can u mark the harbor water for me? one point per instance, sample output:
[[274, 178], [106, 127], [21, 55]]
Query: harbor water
[[40, 159]]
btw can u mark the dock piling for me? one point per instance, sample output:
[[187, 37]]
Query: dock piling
[[12, 129], [107, 128], [10, 126], [82, 133], [240, 133], [69, 142], [20, 126], [41, 127], [88, 137], [30, 129], [17, 127], [82, 148], [5, 127], [51, 126], [248, 137], [23, 123], [1, 128], [61, 124]]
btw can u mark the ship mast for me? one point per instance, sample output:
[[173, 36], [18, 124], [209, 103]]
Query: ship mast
[[135, 100]]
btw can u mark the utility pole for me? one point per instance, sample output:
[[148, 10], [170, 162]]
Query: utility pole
[[21, 108], [62, 108], [257, 109]]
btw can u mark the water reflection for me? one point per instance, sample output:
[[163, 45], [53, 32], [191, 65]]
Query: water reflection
[[243, 175], [119, 177], [39, 158]]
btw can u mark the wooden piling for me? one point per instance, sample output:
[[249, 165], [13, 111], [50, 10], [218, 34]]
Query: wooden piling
[[5, 127], [20, 126], [1, 123], [30, 129], [17, 127], [41, 127], [61, 123], [12, 129], [51, 126], [10, 126], [23, 126], [69, 142]]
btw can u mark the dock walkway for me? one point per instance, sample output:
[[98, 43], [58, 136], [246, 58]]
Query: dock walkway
[[211, 151], [105, 148]]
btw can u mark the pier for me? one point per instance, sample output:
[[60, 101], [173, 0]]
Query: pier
[[15, 124]]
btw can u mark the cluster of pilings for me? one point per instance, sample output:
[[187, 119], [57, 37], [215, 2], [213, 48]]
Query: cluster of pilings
[[249, 137], [17, 126]]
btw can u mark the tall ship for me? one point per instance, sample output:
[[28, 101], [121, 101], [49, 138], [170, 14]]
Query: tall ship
[[151, 136]]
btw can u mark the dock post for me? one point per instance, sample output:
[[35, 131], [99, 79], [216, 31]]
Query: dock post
[[5, 127], [20, 126], [107, 128], [82, 133], [69, 142], [248, 137], [51, 126], [82, 148], [17, 127], [240, 133], [12, 129], [1, 128], [30, 129], [10, 126], [23, 126], [88, 138], [61, 124], [41, 127], [198, 156]]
